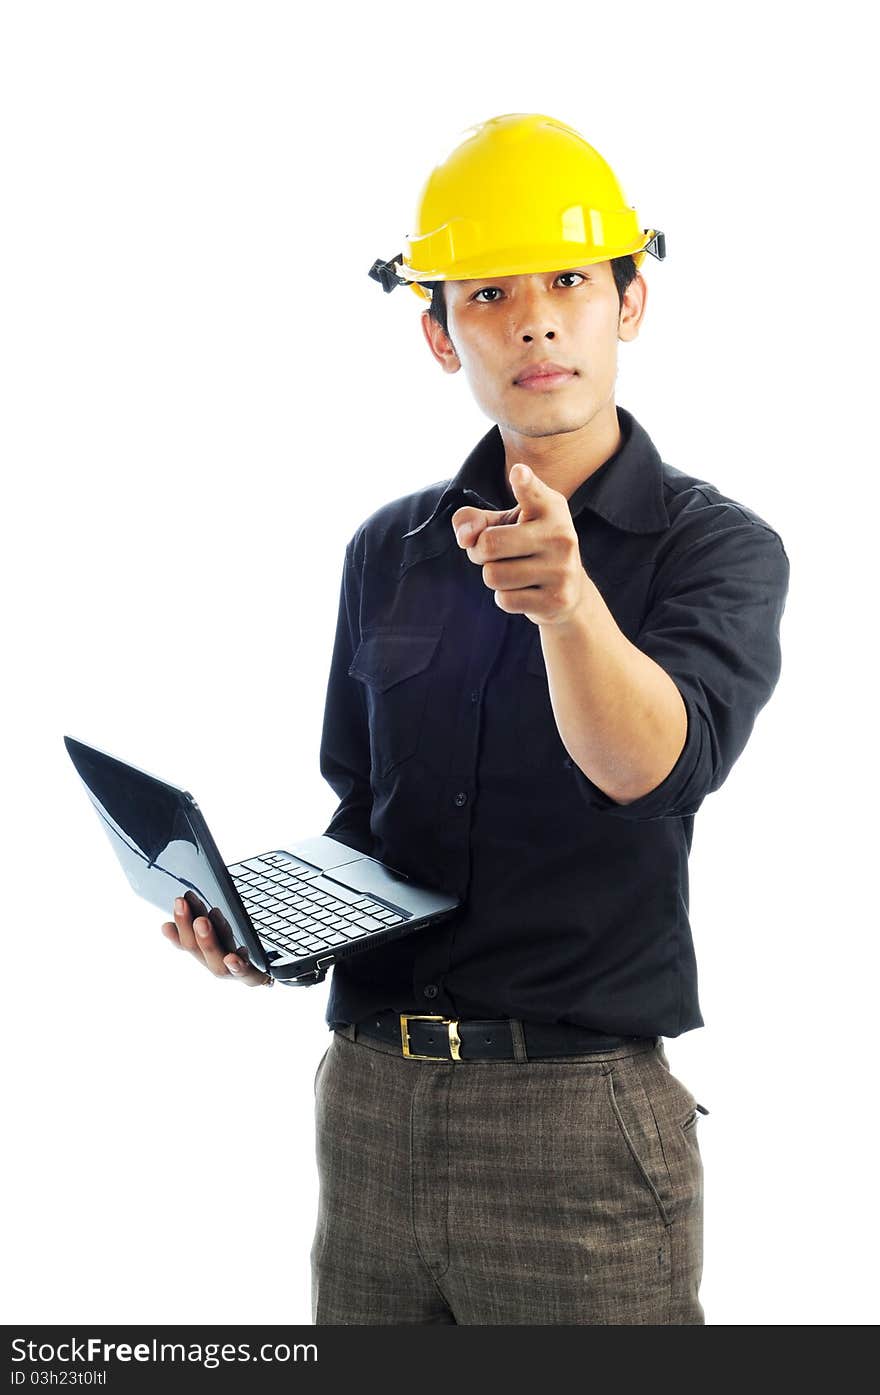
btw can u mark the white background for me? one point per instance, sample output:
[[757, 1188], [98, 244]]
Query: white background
[[204, 394]]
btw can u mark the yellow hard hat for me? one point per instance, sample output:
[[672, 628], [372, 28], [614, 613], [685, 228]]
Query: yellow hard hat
[[521, 193]]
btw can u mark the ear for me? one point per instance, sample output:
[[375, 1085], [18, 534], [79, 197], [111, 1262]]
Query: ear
[[440, 344], [632, 310]]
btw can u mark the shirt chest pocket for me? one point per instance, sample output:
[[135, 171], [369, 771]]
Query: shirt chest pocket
[[396, 666]]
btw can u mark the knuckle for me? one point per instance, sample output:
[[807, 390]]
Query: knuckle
[[564, 541]]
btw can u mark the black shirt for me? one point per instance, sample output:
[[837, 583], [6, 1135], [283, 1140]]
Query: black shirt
[[440, 743]]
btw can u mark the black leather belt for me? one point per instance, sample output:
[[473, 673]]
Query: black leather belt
[[432, 1038]]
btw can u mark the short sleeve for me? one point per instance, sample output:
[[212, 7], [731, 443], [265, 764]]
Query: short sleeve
[[714, 627]]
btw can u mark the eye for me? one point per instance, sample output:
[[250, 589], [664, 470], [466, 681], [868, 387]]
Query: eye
[[498, 291]]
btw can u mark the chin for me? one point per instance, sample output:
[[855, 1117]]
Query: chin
[[547, 423]]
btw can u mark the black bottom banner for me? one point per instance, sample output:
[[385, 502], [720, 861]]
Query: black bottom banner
[[135, 1358]]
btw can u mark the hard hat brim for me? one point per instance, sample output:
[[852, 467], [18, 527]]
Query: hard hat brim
[[524, 261], [531, 260]]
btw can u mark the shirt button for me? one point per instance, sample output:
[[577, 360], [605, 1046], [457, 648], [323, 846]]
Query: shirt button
[[460, 799], [475, 696], [430, 990]]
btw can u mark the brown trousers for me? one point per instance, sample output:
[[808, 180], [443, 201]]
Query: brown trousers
[[564, 1191]]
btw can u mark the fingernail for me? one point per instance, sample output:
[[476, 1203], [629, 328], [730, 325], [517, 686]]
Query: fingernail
[[178, 905], [233, 966], [463, 534], [201, 927]]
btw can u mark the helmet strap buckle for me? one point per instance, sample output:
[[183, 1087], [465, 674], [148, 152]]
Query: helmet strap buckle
[[384, 273]]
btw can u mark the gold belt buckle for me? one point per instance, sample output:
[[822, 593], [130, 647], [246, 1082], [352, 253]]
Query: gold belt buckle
[[454, 1038]]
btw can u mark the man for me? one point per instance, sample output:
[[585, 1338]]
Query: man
[[541, 668]]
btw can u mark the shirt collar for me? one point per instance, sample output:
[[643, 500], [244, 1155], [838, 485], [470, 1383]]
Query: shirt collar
[[626, 490]]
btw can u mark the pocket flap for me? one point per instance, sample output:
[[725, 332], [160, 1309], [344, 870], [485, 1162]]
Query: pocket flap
[[386, 657]]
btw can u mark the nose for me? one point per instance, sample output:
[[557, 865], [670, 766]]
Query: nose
[[536, 315]]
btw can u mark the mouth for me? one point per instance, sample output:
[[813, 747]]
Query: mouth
[[543, 380]]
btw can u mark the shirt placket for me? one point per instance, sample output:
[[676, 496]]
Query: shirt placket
[[488, 628]]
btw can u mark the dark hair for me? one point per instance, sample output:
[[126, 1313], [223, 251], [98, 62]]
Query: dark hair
[[624, 269]]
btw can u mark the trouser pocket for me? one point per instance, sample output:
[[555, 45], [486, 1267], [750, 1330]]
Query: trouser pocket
[[693, 1116], [640, 1135]]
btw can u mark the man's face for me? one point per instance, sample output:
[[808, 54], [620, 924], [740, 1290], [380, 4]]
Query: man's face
[[501, 327]]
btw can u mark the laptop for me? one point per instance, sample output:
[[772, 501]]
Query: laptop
[[296, 910]]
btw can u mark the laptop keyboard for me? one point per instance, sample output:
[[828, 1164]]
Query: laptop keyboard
[[299, 911]]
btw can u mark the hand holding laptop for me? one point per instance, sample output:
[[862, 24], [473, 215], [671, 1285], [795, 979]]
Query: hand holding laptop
[[207, 936], [286, 914]]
